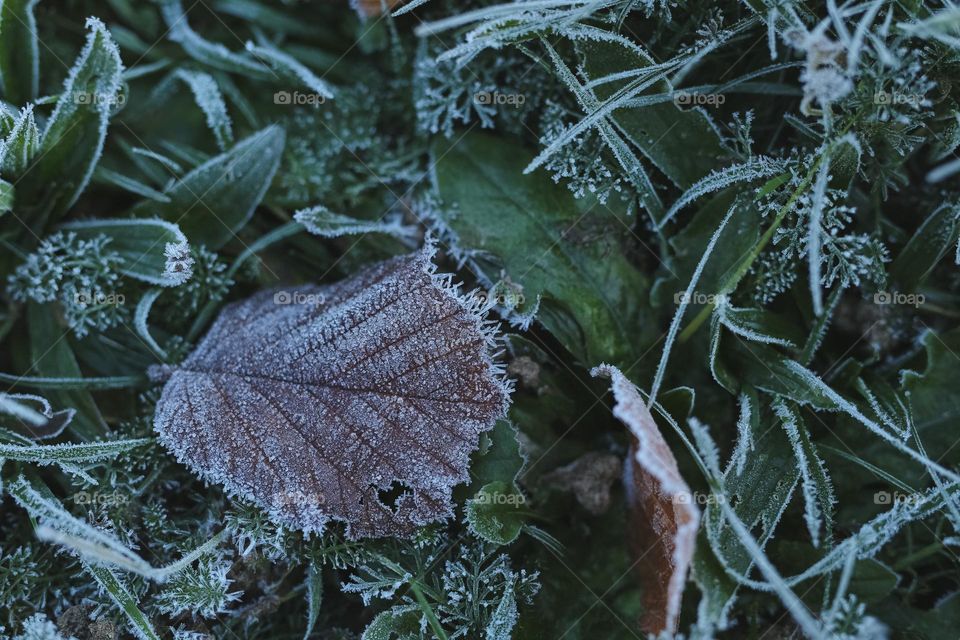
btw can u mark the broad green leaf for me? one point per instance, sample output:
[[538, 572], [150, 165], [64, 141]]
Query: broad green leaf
[[214, 201], [51, 356], [934, 402], [736, 239], [761, 325], [926, 248], [767, 370], [19, 58], [663, 132], [390, 624], [498, 458], [75, 132], [760, 499], [532, 231], [496, 513], [140, 243]]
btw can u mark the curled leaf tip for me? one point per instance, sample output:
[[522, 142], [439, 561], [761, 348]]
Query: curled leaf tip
[[663, 518]]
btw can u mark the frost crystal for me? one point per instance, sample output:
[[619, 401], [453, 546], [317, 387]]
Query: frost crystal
[[581, 163], [338, 152], [845, 259], [482, 592], [179, 266], [203, 591], [209, 281], [446, 93], [38, 627], [825, 78], [312, 401], [82, 274]]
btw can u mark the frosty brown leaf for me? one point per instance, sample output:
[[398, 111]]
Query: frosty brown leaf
[[316, 402], [662, 517]]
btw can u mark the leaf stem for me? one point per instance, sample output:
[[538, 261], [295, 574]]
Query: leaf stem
[[115, 382], [744, 266], [427, 610]]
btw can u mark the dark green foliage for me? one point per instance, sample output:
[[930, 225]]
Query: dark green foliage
[[750, 208]]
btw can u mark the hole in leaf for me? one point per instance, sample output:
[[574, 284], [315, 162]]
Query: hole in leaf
[[390, 497]]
